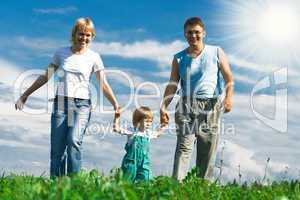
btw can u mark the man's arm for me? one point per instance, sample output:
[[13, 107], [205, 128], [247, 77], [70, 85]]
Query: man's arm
[[169, 92], [228, 77]]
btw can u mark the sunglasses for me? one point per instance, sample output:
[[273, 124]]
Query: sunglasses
[[190, 33]]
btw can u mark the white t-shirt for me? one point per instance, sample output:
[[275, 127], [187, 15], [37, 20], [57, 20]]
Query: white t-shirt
[[74, 72], [130, 132]]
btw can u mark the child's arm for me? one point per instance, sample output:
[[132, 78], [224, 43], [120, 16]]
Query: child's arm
[[159, 131], [118, 129], [123, 131]]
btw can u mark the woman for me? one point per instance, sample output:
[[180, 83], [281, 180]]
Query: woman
[[72, 104], [198, 68]]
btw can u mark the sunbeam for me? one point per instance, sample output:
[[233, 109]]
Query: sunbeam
[[263, 31]]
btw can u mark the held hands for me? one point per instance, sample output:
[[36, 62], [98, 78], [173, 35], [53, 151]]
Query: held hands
[[164, 121], [116, 123], [20, 102], [117, 111], [164, 117], [160, 131]]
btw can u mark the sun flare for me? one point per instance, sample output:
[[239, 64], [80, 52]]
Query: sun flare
[[278, 23], [263, 31]]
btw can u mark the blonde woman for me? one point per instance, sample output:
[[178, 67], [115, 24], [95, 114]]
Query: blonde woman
[[72, 104]]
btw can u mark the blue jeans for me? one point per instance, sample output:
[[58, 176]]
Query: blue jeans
[[69, 121]]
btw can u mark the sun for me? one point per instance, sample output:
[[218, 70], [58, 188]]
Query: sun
[[262, 31], [278, 23]]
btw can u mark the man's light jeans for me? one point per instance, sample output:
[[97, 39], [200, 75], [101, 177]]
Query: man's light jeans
[[197, 121]]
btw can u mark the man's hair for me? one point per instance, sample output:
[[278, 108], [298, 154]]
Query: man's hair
[[193, 21], [141, 113]]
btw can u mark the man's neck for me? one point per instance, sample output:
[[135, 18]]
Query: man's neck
[[196, 48]]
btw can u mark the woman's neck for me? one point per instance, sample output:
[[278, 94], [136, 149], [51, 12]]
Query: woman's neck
[[78, 49]]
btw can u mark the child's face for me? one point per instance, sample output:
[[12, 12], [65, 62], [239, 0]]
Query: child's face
[[146, 123]]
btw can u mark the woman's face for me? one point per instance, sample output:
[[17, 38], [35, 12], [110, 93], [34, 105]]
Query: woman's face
[[194, 34], [83, 38]]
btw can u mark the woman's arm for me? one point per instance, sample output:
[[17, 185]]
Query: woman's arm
[[100, 75], [39, 82]]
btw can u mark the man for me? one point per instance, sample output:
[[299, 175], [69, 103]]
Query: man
[[198, 68]]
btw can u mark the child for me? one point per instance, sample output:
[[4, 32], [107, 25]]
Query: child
[[136, 162]]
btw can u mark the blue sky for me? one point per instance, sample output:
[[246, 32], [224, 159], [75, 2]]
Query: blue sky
[[140, 38], [123, 21]]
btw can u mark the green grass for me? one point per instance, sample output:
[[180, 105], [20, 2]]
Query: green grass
[[93, 185]]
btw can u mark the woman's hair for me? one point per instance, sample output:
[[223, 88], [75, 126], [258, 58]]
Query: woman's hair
[[193, 21], [141, 113], [83, 24]]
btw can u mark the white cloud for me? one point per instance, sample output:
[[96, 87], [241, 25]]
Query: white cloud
[[152, 50], [250, 145], [244, 161], [253, 142], [161, 53], [148, 49], [243, 78], [250, 65], [39, 44], [256, 67], [235, 155], [112, 35], [61, 11], [9, 72], [15, 80]]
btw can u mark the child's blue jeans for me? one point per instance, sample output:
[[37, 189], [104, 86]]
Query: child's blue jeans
[[136, 162]]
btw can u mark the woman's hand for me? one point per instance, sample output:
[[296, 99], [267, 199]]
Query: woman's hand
[[117, 111], [20, 102], [116, 123]]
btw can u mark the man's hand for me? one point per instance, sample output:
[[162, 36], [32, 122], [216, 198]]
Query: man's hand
[[227, 104], [164, 117]]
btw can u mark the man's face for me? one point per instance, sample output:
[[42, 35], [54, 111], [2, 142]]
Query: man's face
[[194, 34]]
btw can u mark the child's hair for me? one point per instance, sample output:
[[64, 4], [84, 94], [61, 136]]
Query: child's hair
[[85, 24], [141, 113], [193, 21]]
